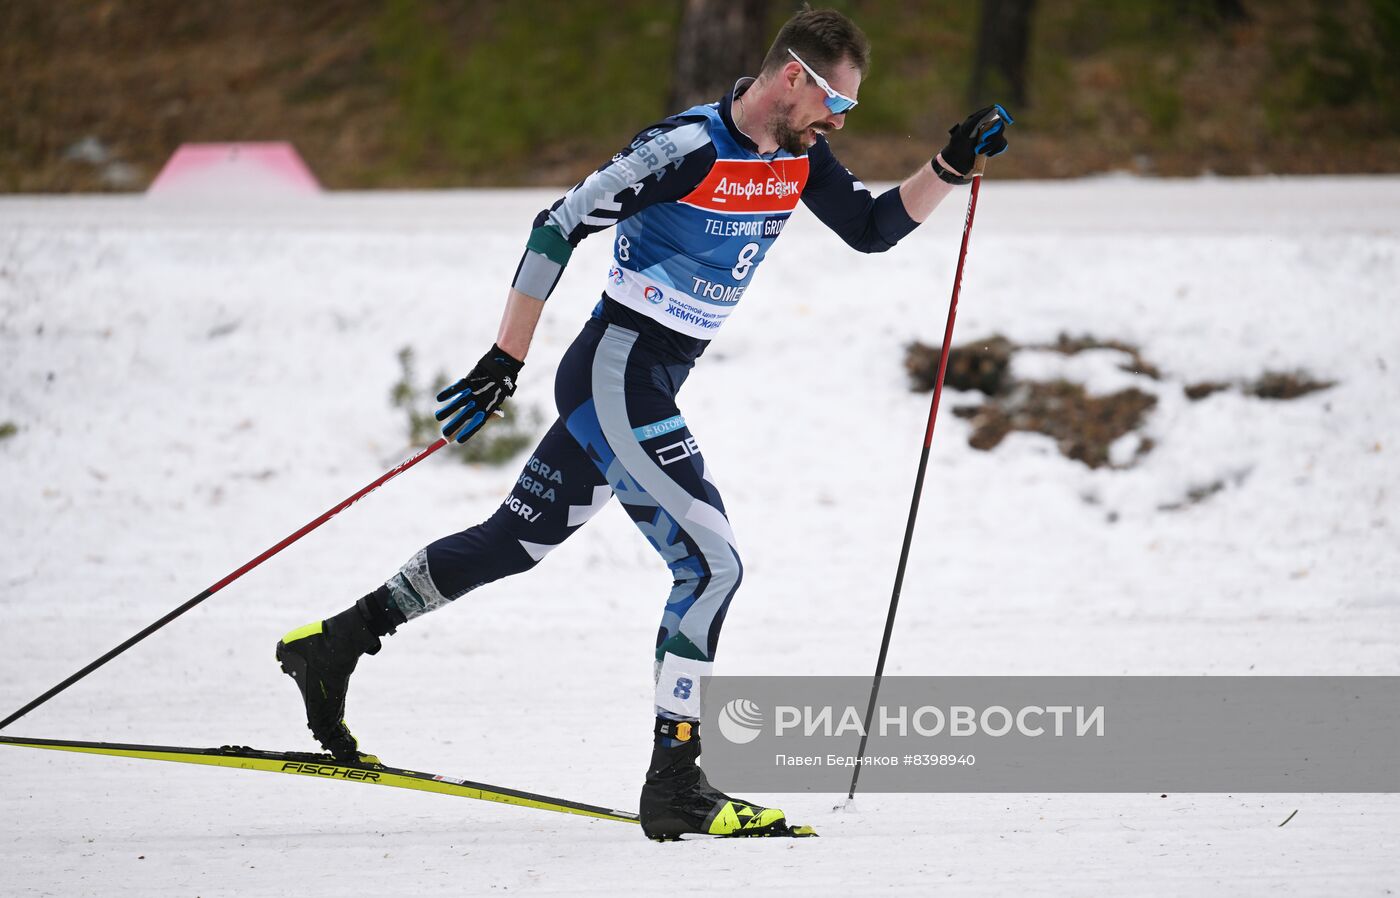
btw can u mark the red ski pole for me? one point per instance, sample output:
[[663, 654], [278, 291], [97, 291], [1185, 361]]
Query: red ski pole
[[380, 481], [923, 460]]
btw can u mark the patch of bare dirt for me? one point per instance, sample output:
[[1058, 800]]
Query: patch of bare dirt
[[1083, 426], [1269, 385]]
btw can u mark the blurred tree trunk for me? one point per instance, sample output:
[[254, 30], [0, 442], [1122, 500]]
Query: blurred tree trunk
[[1003, 47], [1212, 12], [718, 42]]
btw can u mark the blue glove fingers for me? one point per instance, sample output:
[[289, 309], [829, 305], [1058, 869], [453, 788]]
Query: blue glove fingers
[[988, 135], [465, 399], [450, 428], [471, 426], [993, 142], [453, 390]]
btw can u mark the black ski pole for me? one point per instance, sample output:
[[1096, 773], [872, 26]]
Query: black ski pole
[[923, 467], [380, 481]]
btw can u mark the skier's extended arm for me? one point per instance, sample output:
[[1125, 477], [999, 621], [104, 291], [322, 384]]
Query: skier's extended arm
[[518, 322], [868, 223], [873, 224], [663, 163], [922, 191]]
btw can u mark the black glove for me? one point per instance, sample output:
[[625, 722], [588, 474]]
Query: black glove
[[982, 133], [478, 394]]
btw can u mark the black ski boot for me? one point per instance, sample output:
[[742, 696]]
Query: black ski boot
[[320, 657], [677, 799]]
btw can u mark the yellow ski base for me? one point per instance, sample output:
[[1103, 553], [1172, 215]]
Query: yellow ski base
[[326, 767]]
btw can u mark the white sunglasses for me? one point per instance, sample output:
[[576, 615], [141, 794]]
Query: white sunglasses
[[836, 101]]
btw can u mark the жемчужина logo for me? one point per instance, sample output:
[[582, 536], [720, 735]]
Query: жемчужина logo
[[653, 295], [740, 721]]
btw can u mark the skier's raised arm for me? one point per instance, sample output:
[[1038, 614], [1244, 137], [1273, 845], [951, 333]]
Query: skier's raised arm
[[873, 224]]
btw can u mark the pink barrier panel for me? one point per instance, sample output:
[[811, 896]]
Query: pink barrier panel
[[268, 168]]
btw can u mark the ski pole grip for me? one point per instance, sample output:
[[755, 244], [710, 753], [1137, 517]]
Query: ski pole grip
[[986, 123]]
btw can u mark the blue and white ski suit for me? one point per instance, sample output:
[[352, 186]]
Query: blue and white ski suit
[[697, 208]]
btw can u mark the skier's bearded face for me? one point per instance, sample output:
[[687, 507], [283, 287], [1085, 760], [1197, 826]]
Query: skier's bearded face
[[798, 119], [793, 132]]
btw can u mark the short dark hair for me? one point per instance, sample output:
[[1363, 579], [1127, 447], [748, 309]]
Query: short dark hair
[[823, 38]]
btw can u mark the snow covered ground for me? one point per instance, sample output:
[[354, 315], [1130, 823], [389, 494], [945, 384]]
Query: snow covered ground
[[191, 384]]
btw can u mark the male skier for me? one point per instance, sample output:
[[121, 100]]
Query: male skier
[[697, 200]]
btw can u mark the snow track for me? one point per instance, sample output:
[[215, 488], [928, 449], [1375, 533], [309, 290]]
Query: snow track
[[192, 383]]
